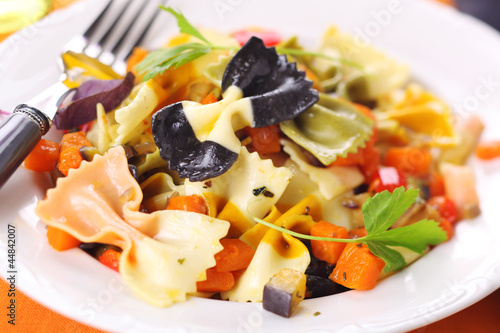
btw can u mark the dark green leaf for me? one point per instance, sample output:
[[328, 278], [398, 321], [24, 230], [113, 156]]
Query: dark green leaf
[[394, 261], [184, 25], [185, 57], [159, 57], [416, 237], [174, 57], [383, 209]]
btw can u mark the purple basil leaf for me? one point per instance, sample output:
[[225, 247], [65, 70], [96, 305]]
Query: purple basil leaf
[[82, 108]]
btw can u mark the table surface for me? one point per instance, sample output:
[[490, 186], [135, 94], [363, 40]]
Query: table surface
[[480, 317]]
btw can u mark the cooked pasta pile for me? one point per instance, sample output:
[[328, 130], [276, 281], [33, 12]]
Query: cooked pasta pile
[[169, 185]]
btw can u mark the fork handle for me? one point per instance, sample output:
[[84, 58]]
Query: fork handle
[[19, 134]]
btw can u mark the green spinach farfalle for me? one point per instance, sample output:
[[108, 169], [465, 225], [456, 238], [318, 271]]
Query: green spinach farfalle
[[260, 88], [331, 128]]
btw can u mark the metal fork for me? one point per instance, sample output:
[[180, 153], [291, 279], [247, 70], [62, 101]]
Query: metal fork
[[105, 45]]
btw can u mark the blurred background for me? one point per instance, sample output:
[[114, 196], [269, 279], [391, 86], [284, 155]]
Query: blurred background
[[486, 10], [16, 14]]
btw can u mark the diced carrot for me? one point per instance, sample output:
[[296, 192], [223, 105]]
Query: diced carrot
[[357, 233], [209, 99], [365, 110], [236, 255], [436, 185], [75, 139], [447, 227], [358, 158], [265, 140], [324, 250], [111, 259], [191, 203], [351, 159], [138, 54], [409, 160], [69, 159], [488, 150], [357, 268], [372, 162], [44, 157], [216, 281], [60, 240]]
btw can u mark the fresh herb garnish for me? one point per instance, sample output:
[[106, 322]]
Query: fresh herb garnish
[[157, 62], [380, 212]]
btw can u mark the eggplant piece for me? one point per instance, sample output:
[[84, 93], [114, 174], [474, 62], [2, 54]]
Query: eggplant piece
[[317, 267], [317, 286], [133, 171], [88, 153], [284, 292], [81, 109], [363, 188], [97, 249], [260, 88]]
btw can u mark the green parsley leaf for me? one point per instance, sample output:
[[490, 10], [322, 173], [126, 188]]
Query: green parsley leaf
[[394, 261], [184, 25], [383, 209], [416, 236], [160, 60], [380, 212]]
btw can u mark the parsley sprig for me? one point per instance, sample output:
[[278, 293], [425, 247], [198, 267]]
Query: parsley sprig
[[380, 212], [157, 62]]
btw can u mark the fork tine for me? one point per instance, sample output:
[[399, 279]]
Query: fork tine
[[111, 37], [91, 30], [125, 33], [145, 31], [99, 44]]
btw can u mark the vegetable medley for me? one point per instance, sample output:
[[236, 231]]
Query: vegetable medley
[[243, 167]]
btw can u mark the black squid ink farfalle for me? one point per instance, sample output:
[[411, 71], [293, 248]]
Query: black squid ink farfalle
[[260, 88]]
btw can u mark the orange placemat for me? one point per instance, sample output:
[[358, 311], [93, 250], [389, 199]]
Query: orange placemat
[[31, 316]]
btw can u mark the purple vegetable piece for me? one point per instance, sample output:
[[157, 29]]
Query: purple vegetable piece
[[82, 108]]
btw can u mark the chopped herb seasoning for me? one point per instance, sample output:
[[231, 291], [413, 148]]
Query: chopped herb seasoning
[[268, 194], [317, 313], [344, 275], [181, 261], [258, 191], [263, 190]]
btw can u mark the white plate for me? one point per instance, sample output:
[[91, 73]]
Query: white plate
[[454, 55]]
